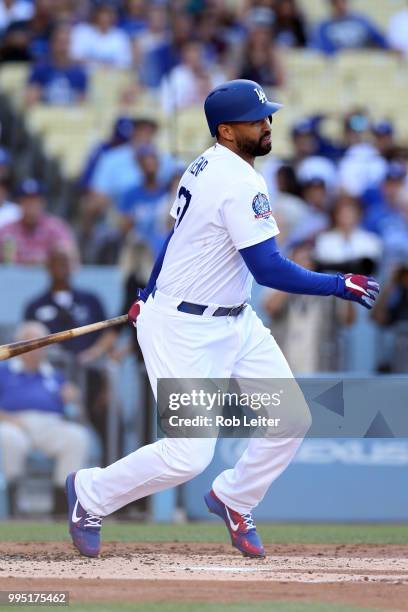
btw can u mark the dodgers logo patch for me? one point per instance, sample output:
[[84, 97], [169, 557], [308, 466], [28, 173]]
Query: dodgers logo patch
[[261, 206]]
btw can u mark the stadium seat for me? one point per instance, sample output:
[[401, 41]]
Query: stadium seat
[[43, 119], [314, 10], [67, 133], [12, 81], [236, 5], [304, 64], [186, 133], [281, 142], [314, 84], [388, 100], [401, 126], [108, 84], [326, 95], [379, 12], [369, 65], [70, 149], [332, 128], [145, 104]]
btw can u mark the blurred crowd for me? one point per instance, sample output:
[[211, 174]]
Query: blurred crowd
[[344, 197], [341, 202], [61, 400], [178, 47], [341, 206]]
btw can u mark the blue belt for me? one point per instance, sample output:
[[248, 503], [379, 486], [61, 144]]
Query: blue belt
[[222, 311], [198, 309]]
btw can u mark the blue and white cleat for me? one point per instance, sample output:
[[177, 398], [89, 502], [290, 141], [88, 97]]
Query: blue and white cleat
[[241, 527], [85, 528]]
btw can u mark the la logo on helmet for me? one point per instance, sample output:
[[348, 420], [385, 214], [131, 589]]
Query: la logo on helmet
[[261, 95]]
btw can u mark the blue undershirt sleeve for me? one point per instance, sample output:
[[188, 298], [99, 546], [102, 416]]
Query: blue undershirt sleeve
[[271, 269], [156, 269]]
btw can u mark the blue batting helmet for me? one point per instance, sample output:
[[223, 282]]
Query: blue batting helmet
[[238, 100]]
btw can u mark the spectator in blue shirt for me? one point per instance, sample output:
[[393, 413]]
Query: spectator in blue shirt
[[134, 19], [384, 138], [347, 30], [159, 46], [121, 134], [118, 169], [384, 212], [304, 140], [116, 172], [141, 205], [34, 398], [57, 81], [41, 26], [384, 198], [308, 140]]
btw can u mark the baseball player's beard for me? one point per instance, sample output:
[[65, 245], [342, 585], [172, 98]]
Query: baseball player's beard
[[254, 148]]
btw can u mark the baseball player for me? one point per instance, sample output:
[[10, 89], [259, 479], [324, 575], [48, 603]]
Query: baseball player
[[193, 320]]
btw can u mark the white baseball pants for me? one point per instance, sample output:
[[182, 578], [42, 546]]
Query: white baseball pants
[[180, 345]]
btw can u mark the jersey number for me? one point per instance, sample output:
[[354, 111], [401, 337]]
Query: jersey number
[[182, 209]]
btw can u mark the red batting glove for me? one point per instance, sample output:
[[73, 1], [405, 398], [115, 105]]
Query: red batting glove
[[358, 288], [134, 310]]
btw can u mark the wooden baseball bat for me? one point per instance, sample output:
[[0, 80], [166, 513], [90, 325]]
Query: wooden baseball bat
[[17, 348]]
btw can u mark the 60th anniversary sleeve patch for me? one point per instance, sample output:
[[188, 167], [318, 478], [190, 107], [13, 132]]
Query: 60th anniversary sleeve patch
[[261, 206]]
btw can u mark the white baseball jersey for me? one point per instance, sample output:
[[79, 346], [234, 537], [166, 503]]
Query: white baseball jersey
[[222, 206]]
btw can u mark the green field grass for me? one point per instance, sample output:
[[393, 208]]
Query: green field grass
[[210, 532]]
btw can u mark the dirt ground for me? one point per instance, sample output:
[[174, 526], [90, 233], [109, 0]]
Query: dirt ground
[[372, 576]]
